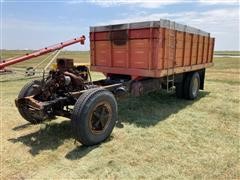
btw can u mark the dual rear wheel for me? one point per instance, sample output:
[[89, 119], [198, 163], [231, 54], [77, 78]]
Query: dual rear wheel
[[189, 87]]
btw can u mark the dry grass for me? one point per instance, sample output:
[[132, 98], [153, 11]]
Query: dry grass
[[163, 137]]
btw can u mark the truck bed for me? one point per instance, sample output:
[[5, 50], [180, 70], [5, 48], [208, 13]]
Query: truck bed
[[149, 49]]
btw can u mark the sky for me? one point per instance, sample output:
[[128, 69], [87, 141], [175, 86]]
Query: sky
[[33, 24]]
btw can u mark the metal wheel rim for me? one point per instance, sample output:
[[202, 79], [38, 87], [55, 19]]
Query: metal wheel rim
[[195, 86], [100, 117]]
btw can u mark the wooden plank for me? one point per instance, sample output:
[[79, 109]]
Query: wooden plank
[[147, 73], [191, 47], [164, 48], [175, 48], [110, 51], [197, 49], [179, 70], [128, 49], [150, 47], [203, 50], [184, 41], [157, 50], [213, 48], [207, 60], [94, 49]]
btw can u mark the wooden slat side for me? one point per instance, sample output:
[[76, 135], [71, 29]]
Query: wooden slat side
[[191, 48], [203, 44], [164, 48], [197, 49], [183, 55]]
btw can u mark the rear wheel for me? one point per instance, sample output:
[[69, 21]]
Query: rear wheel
[[24, 110], [179, 90], [94, 116], [191, 86]]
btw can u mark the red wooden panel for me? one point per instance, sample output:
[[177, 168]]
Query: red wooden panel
[[187, 53], [180, 36], [179, 48], [205, 49], [155, 56], [160, 58], [195, 38], [169, 50], [102, 36], [179, 44], [99, 36], [194, 49], [102, 49], [91, 36], [188, 38], [179, 53], [200, 44], [92, 52], [210, 49], [200, 39], [194, 55], [178, 61], [161, 48], [139, 53], [119, 56], [143, 33]]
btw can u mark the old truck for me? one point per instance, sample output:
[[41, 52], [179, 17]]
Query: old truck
[[136, 58]]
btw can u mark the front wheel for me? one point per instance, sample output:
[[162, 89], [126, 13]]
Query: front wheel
[[94, 116], [25, 111]]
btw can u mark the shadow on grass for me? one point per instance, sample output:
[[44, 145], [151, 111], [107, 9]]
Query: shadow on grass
[[143, 111], [80, 151], [48, 138], [21, 127], [150, 109]]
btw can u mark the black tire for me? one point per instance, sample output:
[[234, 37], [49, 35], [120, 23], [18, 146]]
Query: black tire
[[28, 90], [191, 86], [85, 130], [179, 90]]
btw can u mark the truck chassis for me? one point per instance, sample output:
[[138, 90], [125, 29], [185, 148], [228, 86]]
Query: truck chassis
[[92, 105]]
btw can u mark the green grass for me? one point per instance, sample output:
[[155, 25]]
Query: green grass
[[163, 137], [230, 53]]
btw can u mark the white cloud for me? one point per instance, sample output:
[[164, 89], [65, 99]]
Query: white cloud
[[213, 2], [146, 4], [139, 3], [216, 16], [152, 3], [221, 23]]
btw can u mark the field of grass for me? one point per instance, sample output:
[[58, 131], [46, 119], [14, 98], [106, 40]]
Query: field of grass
[[227, 53], [163, 137]]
